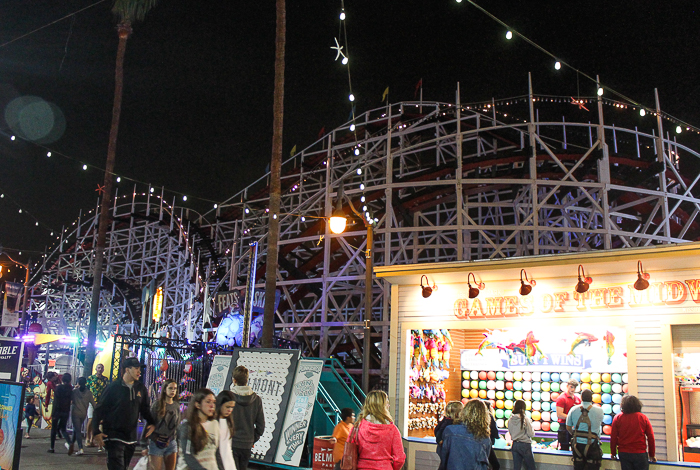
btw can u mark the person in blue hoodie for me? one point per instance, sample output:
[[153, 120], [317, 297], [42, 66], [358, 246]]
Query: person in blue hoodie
[[467, 444]]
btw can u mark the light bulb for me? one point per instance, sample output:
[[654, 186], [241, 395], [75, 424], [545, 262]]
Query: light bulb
[[359, 171], [342, 16], [678, 129], [152, 190], [184, 198], [357, 151], [274, 216], [84, 167], [12, 138], [20, 211], [459, 1], [352, 127], [557, 65], [303, 219], [119, 179], [509, 35], [362, 199], [37, 224], [247, 211], [345, 61], [48, 154], [600, 91], [364, 208], [362, 186], [642, 112], [216, 206], [351, 97]]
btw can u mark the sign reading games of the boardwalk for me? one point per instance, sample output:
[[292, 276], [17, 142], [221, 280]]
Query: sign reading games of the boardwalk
[[299, 410], [271, 376], [572, 349]]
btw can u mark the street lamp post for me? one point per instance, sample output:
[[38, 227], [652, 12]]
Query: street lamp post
[[26, 285], [337, 225]]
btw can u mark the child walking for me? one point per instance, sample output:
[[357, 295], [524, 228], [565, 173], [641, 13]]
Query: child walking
[[30, 414]]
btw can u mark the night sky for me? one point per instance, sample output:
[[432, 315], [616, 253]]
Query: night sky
[[197, 109]]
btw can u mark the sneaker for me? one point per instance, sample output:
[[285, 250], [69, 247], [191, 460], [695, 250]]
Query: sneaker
[[26, 436], [50, 451], [101, 449], [80, 452], [70, 448]]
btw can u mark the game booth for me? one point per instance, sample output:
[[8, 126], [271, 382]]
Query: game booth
[[619, 322]]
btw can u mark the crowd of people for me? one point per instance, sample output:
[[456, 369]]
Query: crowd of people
[[215, 433], [465, 436]]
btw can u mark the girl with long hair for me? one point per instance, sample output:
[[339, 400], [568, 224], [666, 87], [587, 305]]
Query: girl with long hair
[[162, 443], [81, 398], [378, 440], [632, 437], [466, 445], [198, 435], [224, 412], [521, 432]]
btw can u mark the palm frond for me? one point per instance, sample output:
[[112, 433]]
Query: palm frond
[[132, 10]]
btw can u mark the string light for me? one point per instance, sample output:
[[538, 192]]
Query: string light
[[557, 65], [678, 129], [600, 91], [12, 138], [119, 179], [184, 198], [48, 154], [642, 112], [352, 127], [345, 61], [351, 97], [342, 16], [359, 171], [216, 206], [84, 167], [509, 35]]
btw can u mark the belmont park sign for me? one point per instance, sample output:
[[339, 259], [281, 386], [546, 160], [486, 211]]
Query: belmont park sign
[[672, 293]]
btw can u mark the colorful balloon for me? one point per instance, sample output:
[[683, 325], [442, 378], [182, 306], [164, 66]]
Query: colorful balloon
[[528, 405], [482, 394], [527, 376], [617, 398], [607, 409], [545, 427], [585, 386], [625, 388], [545, 386], [465, 393], [595, 377], [500, 385], [555, 377], [595, 388], [491, 375], [536, 396], [536, 425], [546, 416], [508, 404], [617, 378], [500, 423], [545, 377], [537, 406], [546, 406], [508, 413], [596, 398], [527, 386], [518, 395], [499, 404], [500, 375], [544, 396], [606, 388], [464, 401], [606, 377], [617, 388], [554, 427], [500, 395], [554, 396], [491, 394], [499, 413], [482, 375], [465, 384], [517, 375], [536, 416], [585, 377], [536, 376], [473, 393], [509, 385], [527, 396], [607, 419], [517, 385], [564, 377], [465, 375], [616, 409], [482, 384], [576, 376], [606, 398], [536, 386], [509, 395], [607, 430], [474, 375], [509, 376], [555, 386], [625, 378], [491, 385]]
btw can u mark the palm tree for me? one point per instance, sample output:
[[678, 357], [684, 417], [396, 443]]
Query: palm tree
[[127, 12], [275, 170]]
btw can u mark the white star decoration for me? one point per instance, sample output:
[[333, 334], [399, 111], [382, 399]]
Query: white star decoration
[[339, 49]]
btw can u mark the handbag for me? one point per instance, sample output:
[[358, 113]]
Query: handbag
[[350, 452]]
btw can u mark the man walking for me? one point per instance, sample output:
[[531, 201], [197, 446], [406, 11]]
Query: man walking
[[97, 383], [584, 423], [61, 411], [564, 403], [118, 411], [248, 417]]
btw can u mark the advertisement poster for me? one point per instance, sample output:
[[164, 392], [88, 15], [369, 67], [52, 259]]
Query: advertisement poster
[[301, 406], [11, 352], [271, 377], [566, 349], [11, 405], [220, 374], [12, 305]]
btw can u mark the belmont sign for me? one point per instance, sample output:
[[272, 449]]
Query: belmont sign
[[613, 297]]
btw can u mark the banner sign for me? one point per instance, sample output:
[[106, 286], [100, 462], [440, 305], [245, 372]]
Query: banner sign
[[11, 406], [12, 305], [232, 302], [11, 353], [566, 349], [220, 374], [271, 376], [301, 406]]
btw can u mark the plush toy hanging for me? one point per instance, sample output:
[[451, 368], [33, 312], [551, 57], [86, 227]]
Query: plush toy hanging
[[164, 365], [188, 367]]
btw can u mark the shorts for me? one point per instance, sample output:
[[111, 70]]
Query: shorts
[[90, 410], [153, 449]]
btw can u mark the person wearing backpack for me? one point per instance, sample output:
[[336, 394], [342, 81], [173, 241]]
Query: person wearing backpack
[[584, 422]]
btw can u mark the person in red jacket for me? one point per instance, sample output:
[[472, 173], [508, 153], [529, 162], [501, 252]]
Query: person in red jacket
[[631, 435], [378, 440]]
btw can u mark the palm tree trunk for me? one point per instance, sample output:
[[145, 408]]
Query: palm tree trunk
[[124, 30], [275, 171]]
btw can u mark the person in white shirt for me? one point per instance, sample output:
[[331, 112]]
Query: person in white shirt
[[224, 412], [198, 435]]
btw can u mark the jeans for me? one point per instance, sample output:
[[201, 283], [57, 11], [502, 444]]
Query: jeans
[[241, 457], [77, 430], [564, 437], [630, 461], [522, 454], [493, 460], [589, 461], [30, 423], [58, 424], [119, 455]]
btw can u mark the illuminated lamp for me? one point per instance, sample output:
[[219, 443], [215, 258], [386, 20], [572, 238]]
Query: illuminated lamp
[[583, 283], [525, 289], [158, 305], [426, 291], [642, 278], [338, 221], [474, 291]]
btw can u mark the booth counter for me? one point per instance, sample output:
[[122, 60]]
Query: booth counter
[[622, 321]]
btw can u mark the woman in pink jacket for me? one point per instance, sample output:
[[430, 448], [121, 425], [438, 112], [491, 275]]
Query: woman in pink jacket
[[378, 440]]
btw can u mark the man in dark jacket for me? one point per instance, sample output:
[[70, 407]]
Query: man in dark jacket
[[249, 418], [118, 411], [61, 411]]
